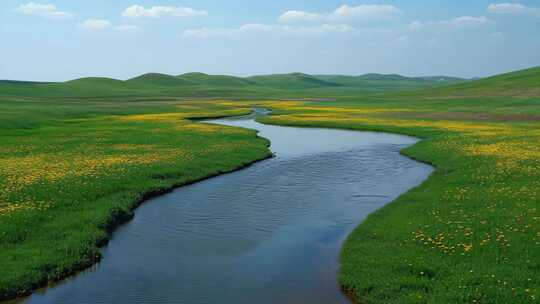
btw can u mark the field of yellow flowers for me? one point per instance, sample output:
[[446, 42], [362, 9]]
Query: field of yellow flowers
[[471, 232], [70, 176]]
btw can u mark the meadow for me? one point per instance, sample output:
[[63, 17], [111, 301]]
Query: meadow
[[74, 166], [469, 234], [68, 180]]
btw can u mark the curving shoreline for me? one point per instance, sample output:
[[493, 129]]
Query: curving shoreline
[[359, 134], [119, 217]]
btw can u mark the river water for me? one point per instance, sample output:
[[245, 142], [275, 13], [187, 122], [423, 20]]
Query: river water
[[270, 233]]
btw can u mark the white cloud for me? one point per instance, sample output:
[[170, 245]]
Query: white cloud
[[367, 11], [95, 24], [512, 9], [138, 11], [466, 21], [294, 16], [455, 23], [127, 28], [256, 28], [363, 12], [42, 10]]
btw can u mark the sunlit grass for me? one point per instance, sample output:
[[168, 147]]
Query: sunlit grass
[[470, 234], [65, 182]]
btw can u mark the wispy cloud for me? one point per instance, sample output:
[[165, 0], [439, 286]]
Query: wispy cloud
[[42, 10], [454, 23], [512, 9], [95, 24], [369, 11], [138, 11], [293, 16], [363, 12], [466, 21], [256, 28]]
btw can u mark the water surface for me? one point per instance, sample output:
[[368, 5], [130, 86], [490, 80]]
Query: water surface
[[270, 233]]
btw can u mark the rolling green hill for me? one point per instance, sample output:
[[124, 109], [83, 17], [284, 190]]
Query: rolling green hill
[[158, 79], [523, 83], [389, 82], [202, 79], [291, 81], [204, 85]]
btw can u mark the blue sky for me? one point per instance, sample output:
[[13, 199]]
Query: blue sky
[[57, 40]]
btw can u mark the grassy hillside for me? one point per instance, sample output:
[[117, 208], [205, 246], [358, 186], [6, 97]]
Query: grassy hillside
[[203, 85], [83, 87], [522, 83], [158, 79], [202, 79], [292, 81], [389, 83]]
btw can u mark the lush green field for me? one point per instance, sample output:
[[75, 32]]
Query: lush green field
[[70, 171], [77, 155], [471, 233]]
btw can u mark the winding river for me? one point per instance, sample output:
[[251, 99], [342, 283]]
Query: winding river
[[270, 233]]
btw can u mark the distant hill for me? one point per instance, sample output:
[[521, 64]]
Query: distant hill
[[19, 82], [202, 79], [291, 81], [444, 79], [520, 83], [374, 76], [523, 83], [158, 79], [389, 82], [98, 81]]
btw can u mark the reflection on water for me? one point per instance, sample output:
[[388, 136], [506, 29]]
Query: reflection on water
[[270, 233]]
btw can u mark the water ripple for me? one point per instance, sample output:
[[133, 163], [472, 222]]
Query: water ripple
[[270, 233]]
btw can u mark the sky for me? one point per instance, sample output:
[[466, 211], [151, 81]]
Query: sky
[[58, 40]]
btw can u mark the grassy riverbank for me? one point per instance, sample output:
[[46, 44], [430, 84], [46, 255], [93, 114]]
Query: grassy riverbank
[[71, 172], [471, 233], [73, 165]]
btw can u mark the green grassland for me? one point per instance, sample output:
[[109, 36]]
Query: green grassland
[[71, 171], [77, 157], [471, 232]]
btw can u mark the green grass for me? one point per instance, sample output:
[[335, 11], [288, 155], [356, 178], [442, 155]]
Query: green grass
[[77, 157], [522, 83], [471, 232], [75, 170], [415, 250]]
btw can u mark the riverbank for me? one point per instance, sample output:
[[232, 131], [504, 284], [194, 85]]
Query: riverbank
[[108, 177], [243, 232], [469, 234]]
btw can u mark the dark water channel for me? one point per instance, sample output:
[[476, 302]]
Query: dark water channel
[[270, 233]]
